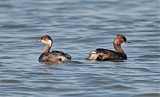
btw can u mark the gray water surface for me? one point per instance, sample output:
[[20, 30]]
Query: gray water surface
[[78, 27]]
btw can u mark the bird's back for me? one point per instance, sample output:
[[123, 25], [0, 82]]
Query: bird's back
[[54, 56], [108, 55]]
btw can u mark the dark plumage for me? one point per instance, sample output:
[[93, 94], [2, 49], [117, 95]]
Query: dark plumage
[[109, 55], [53, 56]]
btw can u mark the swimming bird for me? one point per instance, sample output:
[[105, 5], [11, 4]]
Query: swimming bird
[[101, 54], [53, 56]]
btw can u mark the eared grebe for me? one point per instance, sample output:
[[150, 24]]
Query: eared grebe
[[109, 55], [54, 56]]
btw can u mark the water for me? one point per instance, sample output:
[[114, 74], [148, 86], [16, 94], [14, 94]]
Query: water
[[78, 27]]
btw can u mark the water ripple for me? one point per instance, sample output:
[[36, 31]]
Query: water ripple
[[10, 81]]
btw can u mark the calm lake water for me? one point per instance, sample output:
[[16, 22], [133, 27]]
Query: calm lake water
[[78, 27]]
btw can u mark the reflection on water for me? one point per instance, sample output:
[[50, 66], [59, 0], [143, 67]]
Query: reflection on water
[[53, 63], [77, 27]]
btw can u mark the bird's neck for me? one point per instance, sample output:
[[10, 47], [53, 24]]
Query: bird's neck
[[118, 48], [47, 48]]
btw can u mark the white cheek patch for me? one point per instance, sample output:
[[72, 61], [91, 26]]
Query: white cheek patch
[[43, 41], [49, 42]]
